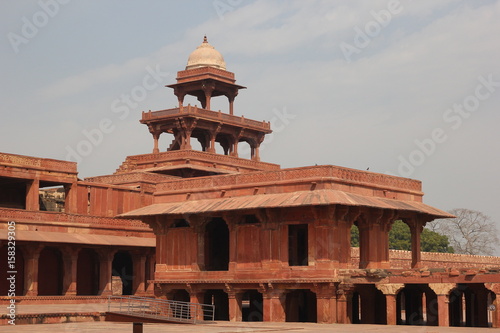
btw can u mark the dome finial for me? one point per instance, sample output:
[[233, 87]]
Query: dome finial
[[205, 40]]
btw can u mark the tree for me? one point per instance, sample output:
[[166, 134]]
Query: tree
[[400, 239], [470, 232]]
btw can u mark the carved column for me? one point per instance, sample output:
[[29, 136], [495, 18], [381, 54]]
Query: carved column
[[390, 290], [70, 260], [495, 287], [235, 298], [207, 87], [32, 195], [273, 304], [31, 256], [370, 238], [105, 271], [324, 242], [416, 225], [139, 268], [344, 218], [71, 198], [326, 299], [344, 302], [442, 291], [197, 296]]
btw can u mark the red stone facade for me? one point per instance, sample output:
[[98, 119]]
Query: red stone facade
[[257, 241]]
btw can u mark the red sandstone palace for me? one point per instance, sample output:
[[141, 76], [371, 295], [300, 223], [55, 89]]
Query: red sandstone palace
[[258, 241]]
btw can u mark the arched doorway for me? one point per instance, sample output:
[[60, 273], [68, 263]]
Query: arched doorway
[[301, 306], [217, 245], [468, 305], [17, 260], [50, 272], [252, 306], [220, 300], [123, 268], [87, 273], [417, 305]]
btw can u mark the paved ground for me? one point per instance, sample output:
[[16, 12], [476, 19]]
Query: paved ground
[[219, 327], [224, 327]]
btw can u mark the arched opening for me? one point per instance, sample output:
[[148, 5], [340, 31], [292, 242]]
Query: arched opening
[[417, 305], [368, 305], [468, 305], [220, 300], [87, 273], [50, 272], [252, 306], [217, 245], [224, 144], [301, 306], [13, 262], [123, 268], [244, 149]]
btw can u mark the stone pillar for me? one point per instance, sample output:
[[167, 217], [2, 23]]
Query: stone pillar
[[151, 268], [495, 288], [105, 271], [71, 200], [31, 256], [156, 137], [416, 225], [442, 291], [326, 298], [370, 239], [274, 305], [33, 195], [70, 263], [344, 302], [391, 290], [139, 268], [235, 313], [197, 296]]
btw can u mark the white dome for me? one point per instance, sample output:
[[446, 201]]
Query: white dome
[[205, 55]]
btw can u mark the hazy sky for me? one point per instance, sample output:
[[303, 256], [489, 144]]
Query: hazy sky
[[410, 88]]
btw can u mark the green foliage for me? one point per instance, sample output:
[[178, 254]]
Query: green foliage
[[400, 239], [354, 236]]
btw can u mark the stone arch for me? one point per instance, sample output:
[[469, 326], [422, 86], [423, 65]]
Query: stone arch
[[50, 272], [5, 260], [468, 305], [123, 268], [87, 272], [216, 245], [417, 305]]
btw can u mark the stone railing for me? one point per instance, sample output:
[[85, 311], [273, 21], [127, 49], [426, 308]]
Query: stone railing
[[19, 215], [38, 163], [204, 70], [328, 171], [211, 115], [138, 162]]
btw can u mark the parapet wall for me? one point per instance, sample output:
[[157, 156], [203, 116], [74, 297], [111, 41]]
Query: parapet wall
[[402, 259]]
